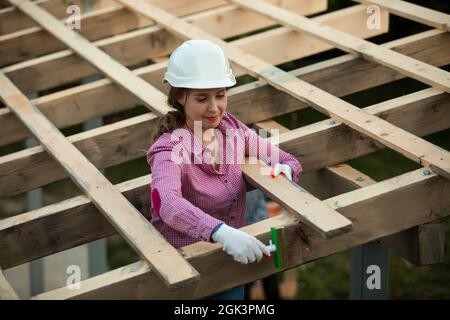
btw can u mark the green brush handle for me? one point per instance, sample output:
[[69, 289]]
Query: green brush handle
[[276, 254]]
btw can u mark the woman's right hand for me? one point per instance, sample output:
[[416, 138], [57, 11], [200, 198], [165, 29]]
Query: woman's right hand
[[243, 247]]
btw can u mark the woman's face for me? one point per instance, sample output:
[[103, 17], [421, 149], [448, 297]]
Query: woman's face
[[205, 105]]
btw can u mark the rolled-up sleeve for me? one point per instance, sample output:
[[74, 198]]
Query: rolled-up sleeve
[[174, 210]]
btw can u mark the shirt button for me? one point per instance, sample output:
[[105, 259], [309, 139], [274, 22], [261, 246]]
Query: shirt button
[[234, 200], [226, 180], [232, 218]]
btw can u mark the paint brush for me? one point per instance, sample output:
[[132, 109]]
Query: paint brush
[[277, 245]]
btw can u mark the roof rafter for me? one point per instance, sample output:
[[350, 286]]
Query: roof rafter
[[139, 233], [154, 99], [157, 102], [367, 50], [49, 69], [311, 141], [414, 12], [401, 141], [400, 194], [107, 21], [101, 97], [351, 132]]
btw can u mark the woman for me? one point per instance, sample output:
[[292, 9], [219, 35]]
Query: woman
[[198, 190]]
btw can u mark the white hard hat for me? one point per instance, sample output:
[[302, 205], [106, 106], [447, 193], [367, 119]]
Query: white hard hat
[[199, 64]]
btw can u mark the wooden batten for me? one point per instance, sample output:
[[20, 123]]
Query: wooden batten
[[312, 212], [332, 200], [413, 68], [149, 96], [421, 245], [404, 193], [416, 149], [413, 12], [113, 19], [47, 67], [101, 97], [311, 140], [138, 232]]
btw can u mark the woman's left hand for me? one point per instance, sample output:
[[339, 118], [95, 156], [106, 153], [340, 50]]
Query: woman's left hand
[[284, 169]]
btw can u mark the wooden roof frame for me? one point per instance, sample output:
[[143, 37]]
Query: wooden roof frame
[[367, 129]]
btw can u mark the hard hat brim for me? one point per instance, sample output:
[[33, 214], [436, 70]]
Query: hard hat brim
[[227, 82]]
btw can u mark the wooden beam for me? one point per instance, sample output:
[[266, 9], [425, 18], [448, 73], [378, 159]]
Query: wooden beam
[[115, 20], [329, 181], [152, 98], [31, 235], [414, 12], [367, 50], [104, 146], [371, 210], [6, 291], [318, 216], [323, 220], [12, 20], [154, 41], [19, 171], [421, 245], [289, 45], [94, 25], [401, 141], [138, 232], [340, 76]]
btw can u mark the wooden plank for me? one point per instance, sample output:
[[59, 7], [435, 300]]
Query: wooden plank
[[6, 291], [421, 245], [410, 67], [19, 171], [115, 20], [94, 25], [340, 76], [370, 208], [12, 20], [329, 181], [154, 99], [416, 149], [271, 126], [325, 219], [139, 233], [413, 12], [154, 41], [290, 196], [30, 235]]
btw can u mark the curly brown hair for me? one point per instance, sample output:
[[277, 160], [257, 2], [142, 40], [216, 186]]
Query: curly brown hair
[[174, 118]]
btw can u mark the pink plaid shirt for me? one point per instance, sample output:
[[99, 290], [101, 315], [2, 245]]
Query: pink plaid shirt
[[189, 196]]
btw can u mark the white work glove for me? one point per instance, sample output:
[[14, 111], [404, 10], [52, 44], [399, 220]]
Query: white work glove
[[243, 247], [284, 169]]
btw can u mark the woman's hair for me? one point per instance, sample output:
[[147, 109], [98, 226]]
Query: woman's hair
[[172, 119]]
